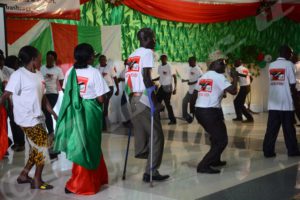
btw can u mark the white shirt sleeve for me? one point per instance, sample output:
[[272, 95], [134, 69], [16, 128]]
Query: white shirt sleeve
[[100, 84], [291, 74], [14, 84], [148, 60], [60, 74], [223, 82]]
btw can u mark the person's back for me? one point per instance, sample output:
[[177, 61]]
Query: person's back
[[281, 75]]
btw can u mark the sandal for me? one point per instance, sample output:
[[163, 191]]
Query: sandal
[[43, 186], [28, 180]]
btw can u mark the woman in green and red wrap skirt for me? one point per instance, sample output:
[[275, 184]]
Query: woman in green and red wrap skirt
[[78, 129]]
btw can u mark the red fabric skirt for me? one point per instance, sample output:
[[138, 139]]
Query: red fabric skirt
[[3, 132], [87, 182]]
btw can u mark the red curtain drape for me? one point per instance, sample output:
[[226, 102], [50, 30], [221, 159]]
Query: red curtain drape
[[192, 12]]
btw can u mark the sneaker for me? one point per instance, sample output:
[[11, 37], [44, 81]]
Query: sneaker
[[157, 177]]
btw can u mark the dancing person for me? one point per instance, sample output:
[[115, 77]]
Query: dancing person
[[207, 98], [245, 80], [54, 78], [27, 90], [138, 79], [109, 74], [79, 127], [165, 90], [7, 68], [194, 74], [282, 85]]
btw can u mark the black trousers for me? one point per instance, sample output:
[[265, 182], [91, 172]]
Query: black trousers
[[107, 97], [275, 120], [212, 120], [239, 103], [165, 95], [52, 98], [17, 133]]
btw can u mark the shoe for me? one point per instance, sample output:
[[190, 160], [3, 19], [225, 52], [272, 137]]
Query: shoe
[[68, 191], [53, 156], [218, 164], [237, 119], [157, 177], [270, 155], [172, 123], [294, 154], [208, 170], [189, 119], [44, 186], [18, 148], [248, 121]]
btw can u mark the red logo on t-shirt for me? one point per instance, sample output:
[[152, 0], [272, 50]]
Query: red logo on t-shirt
[[133, 64], [82, 82], [277, 74], [206, 85], [245, 72]]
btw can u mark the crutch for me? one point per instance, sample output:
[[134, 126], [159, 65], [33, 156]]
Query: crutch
[[126, 156], [149, 92]]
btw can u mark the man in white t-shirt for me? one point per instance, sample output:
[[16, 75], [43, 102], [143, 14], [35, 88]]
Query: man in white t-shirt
[[208, 94], [138, 82], [109, 74], [239, 101], [194, 74], [165, 91], [54, 78], [282, 84]]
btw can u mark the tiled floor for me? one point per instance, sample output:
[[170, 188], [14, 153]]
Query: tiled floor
[[247, 169]]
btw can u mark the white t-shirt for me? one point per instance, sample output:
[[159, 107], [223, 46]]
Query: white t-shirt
[[210, 89], [194, 74], [281, 75], [92, 84], [165, 74], [297, 70], [108, 73], [244, 81], [52, 76], [143, 58], [6, 72], [28, 89], [1, 76]]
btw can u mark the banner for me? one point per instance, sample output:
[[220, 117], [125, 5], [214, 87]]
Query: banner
[[54, 9]]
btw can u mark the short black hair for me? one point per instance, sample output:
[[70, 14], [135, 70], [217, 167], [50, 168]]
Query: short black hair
[[27, 53], [192, 58], [164, 55], [144, 33], [52, 53], [1, 52], [10, 61], [284, 50], [2, 57], [216, 62], [83, 53], [102, 56]]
